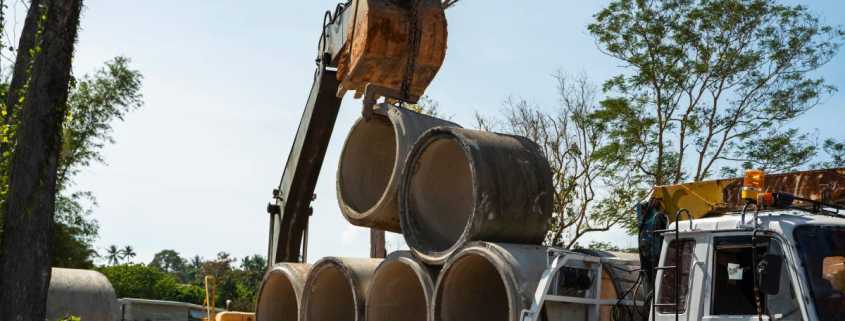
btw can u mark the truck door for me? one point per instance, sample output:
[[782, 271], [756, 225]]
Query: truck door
[[673, 295], [732, 283]]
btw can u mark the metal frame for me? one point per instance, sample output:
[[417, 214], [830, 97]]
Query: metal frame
[[557, 259]]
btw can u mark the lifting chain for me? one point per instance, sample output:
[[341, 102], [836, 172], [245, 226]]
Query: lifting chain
[[413, 48]]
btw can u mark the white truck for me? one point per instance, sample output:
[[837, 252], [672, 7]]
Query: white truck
[[728, 250]]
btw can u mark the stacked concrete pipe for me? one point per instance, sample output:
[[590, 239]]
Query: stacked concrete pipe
[[280, 294], [488, 282], [401, 290], [336, 289], [497, 281], [462, 185], [372, 161]]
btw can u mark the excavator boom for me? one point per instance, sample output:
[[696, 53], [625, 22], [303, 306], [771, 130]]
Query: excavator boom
[[376, 48]]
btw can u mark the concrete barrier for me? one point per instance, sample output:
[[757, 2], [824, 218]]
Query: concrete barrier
[[86, 294]]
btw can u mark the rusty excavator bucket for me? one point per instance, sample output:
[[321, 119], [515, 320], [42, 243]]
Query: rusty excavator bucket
[[394, 49]]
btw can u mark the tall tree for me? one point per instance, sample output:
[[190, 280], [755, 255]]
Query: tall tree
[[709, 82], [127, 252], [169, 261], [95, 102], [39, 93], [113, 255]]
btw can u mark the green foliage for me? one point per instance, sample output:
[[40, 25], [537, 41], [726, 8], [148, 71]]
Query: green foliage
[[168, 261], [835, 150], [425, 106], [171, 277], [708, 79], [145, 282], [113, 255], [94, 103], [775, 152], [71, 318], [238, 285], [606, 247]]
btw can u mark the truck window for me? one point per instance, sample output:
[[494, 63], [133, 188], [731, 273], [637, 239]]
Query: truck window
[[822, 250], [667, 280], [733, 288]]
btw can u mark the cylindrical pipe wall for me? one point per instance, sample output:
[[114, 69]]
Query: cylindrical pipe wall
[[84, 293], [488, 282], [336, 289], [371, 164], [462, 185], [280, 293], [401, 290]]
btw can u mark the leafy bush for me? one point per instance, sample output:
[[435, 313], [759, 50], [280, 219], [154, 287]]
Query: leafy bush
[[144, 282]]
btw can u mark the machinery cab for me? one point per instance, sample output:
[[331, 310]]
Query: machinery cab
[[798, 267], [775, 257]]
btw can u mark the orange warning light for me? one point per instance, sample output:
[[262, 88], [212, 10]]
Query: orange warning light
[[752, 185]]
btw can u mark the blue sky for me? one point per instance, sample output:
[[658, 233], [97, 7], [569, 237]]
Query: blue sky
[[225, 83]]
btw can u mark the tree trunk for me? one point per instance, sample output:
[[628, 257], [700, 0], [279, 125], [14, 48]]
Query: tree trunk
[[51, 28]]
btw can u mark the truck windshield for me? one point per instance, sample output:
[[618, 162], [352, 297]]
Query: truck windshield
[[822, 249]]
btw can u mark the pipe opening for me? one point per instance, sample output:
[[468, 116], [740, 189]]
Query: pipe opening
[[472, 290], [367, 163], [396, 294], [331, 296], [440, 195], [278, 300]]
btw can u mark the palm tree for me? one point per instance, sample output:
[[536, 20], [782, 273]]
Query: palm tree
[[127, 252], [113, 255]]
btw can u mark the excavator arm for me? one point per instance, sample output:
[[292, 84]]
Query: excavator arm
[[377, 48]]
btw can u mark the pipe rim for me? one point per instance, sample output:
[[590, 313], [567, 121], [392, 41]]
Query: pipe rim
[[408, 220], [352, 281], [487, 252], [352, 213], [286, 271], [422, 274]]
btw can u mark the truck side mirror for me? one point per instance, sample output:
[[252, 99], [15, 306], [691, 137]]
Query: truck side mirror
[[769, 270]]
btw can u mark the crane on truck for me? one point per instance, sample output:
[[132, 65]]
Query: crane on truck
[[765, 247], [388, 49]]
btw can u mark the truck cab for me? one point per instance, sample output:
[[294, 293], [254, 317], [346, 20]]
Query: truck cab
[[803, 279]]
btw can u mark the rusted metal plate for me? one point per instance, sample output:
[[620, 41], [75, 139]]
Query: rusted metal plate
[[383, 50], [719, 196]]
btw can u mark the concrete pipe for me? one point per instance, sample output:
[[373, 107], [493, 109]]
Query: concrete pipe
[[336, 289], [83, 293], [463, 185], [280, 293], [488, 282], [371, 165], [401, 290]]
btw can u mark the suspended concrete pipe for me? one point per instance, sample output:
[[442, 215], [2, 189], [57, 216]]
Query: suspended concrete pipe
[[371, 165], [86, 294], [488, 282], [280, 293], [336, 289], [462, 185], [401, 290]]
